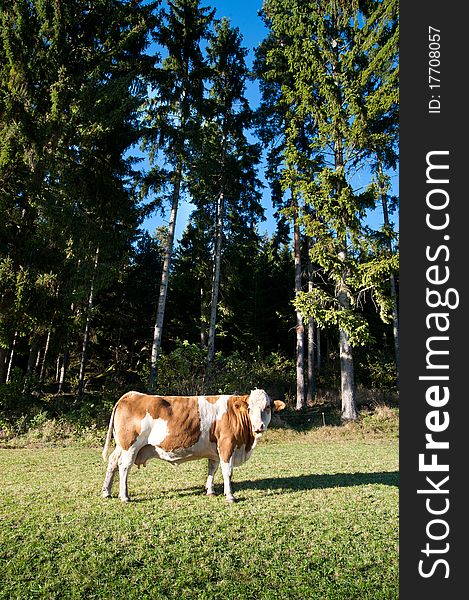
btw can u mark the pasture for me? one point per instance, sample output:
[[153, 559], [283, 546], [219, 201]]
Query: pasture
[[316, 518]]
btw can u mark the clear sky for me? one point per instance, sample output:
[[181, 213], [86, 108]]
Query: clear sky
[[244, 14]]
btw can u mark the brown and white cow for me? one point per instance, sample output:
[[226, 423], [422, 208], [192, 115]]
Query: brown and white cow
[[223, 429]]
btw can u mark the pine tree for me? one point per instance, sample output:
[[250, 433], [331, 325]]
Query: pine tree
[[285, 130], [332, 52], [223, 181], [108, 85], [172, 121], [72, 83]]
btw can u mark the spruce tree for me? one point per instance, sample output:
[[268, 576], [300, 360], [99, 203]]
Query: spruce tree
[[72, 82], [223, 180], [332, 52], [285, 130], [173, 115]]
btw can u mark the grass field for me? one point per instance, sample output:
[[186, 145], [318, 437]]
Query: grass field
[[316, 518]]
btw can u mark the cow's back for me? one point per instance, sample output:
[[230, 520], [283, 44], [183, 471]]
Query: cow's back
[[176, 417]]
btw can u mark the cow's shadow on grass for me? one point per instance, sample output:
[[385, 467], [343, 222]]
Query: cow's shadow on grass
[[323, 481], [283, 485]]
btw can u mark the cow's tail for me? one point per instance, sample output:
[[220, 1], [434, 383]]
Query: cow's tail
[[109, 434]]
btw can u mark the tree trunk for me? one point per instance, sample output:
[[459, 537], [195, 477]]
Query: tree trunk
[[44, 359], [203, 332], [219, 223], [57, 369], [349, 410], [318, 349], [395, 316], [12, 355], [300, 350], [311, 388], [300, 367], [158, 330], [3, 360], [347, 377], [395, 323], [32, 363], [37, 361], [86, 333], [84, 357], [62, 374], [216, 280], [63, 370], [33, 352]]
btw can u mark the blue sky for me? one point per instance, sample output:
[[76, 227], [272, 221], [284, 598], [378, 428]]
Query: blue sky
[[244, 14]]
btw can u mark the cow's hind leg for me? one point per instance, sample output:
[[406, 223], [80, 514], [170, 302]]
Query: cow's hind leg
[[212, 468], [126, 460], [111, 471]]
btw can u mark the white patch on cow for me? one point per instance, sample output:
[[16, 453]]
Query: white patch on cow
[[158, 430], [153, 432], [240, 456], [210, 412]]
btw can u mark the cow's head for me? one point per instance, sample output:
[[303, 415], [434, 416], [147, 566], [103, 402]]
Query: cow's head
[[261, 408]]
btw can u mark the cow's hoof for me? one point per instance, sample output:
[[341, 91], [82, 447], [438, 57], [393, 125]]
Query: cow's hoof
[[231, 499], [125, 500], [106, 495]]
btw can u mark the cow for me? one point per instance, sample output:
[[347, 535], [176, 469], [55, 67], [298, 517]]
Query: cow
[[224, 429]]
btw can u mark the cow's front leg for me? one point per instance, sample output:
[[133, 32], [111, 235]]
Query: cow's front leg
[[126, 461], [110, 472], [212, 468], [227, 470]]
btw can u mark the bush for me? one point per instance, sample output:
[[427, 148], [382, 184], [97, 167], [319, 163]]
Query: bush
[[184, 371], [15, 396], [377, 372]]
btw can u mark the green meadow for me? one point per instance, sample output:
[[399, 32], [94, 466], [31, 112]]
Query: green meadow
[[316, 517]]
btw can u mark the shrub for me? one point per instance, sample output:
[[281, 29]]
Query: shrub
[[377, 371], [184, 371]]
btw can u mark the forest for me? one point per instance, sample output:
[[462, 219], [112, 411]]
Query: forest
[[114, 111]]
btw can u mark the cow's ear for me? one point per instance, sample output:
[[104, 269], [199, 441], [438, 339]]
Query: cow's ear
[[278, 405]]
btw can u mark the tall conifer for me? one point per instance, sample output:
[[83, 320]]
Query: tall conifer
[[173, 114], [341, 62], [223, 181]]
